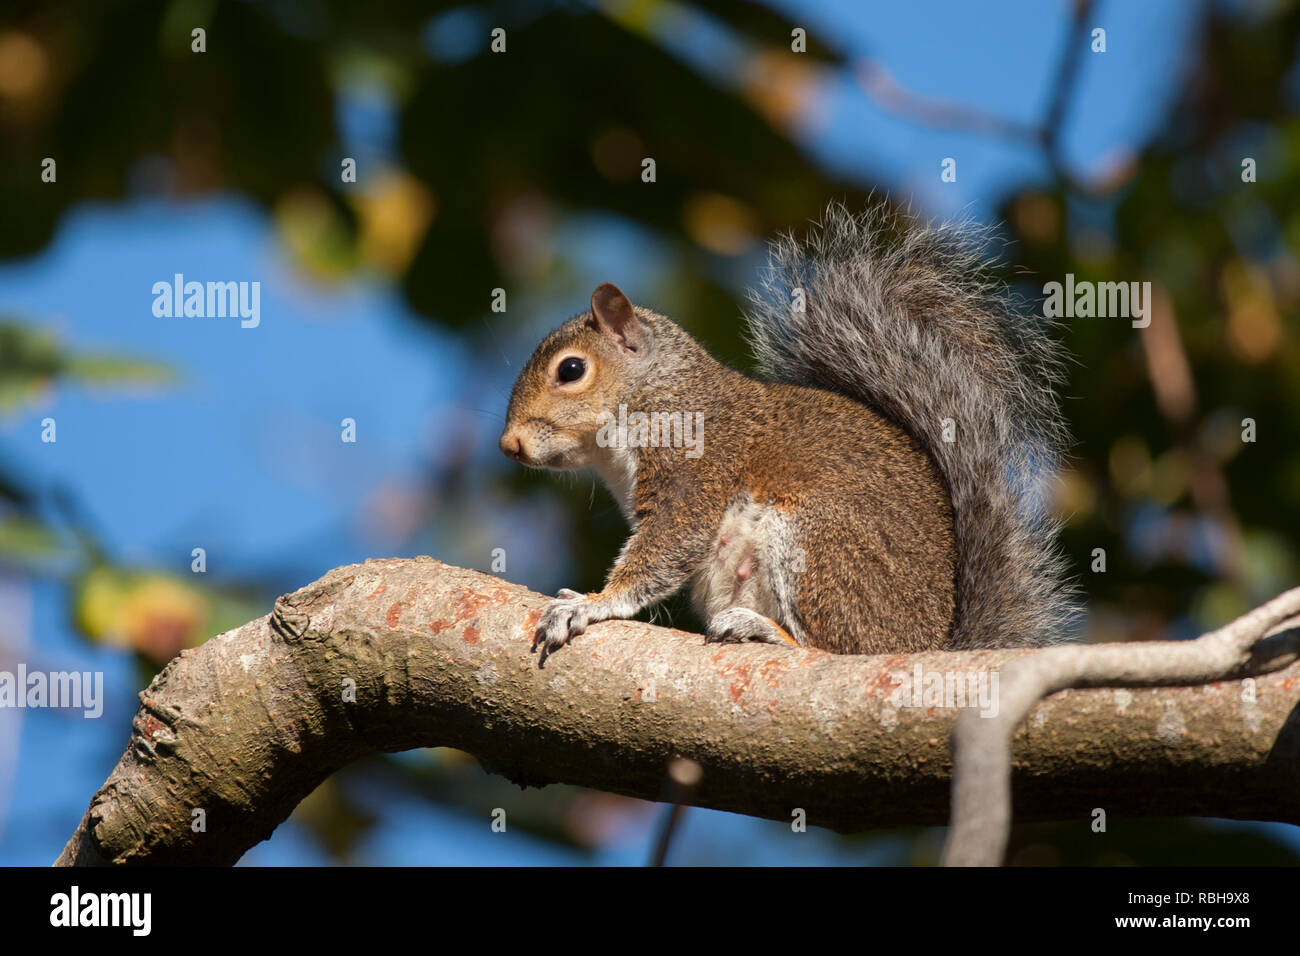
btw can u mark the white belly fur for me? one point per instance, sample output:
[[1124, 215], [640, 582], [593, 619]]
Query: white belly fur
[[752, 564]]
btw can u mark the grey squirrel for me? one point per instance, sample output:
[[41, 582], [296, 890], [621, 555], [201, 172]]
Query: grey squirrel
[[869, 495]]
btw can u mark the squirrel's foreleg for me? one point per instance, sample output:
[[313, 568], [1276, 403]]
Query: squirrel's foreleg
[[655, 562]]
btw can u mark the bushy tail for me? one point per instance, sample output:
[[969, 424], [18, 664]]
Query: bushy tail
[[903, 316]]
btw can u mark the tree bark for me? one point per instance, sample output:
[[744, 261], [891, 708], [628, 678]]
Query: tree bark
[[245, 726]]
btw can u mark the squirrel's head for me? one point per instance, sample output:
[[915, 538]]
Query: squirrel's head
[[585, 367]]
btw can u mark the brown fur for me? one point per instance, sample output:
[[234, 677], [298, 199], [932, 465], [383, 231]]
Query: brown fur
[[868, 507]]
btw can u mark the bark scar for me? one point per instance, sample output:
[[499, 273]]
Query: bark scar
[[154, 729], [288, 621]]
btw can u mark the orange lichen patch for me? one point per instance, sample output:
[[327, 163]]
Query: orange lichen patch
[[883, 680], [740, 674], [530, 622], [376, 592], [773, 669], [393, 614], [743, 674], [472, 634], [469, 604], [740, 685]]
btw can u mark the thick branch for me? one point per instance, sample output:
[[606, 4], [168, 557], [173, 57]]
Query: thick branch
[[252, 721]]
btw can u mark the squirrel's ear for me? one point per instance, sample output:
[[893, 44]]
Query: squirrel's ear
[[616, 318]]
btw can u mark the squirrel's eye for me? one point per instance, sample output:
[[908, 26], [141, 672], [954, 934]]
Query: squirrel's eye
[[571, 369]]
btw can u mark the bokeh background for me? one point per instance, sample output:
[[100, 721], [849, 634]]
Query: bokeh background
[[521, 171]]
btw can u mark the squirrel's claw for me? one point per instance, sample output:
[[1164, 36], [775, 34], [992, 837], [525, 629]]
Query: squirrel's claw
[[564, 618], [569, 614]]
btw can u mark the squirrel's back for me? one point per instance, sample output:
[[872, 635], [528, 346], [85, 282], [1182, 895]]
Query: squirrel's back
[[902, 316]]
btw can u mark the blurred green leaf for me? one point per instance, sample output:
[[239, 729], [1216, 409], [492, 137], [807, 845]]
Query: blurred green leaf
[[26, 543], [32, 359]]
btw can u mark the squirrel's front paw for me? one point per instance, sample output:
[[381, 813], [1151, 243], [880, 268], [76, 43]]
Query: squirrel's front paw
[[564, 618], [569, 614]]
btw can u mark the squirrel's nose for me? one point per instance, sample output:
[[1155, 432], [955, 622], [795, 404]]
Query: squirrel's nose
[[512, 444]]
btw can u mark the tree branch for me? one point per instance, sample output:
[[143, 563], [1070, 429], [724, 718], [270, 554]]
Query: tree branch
[[243, 727]]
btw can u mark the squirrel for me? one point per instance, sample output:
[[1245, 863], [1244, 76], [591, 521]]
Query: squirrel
[[873, 492]]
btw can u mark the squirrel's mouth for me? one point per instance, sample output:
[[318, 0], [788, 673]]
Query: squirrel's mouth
[[522, 448], [556, 461]]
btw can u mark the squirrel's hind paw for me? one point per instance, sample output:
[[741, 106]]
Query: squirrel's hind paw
[[737, 624]]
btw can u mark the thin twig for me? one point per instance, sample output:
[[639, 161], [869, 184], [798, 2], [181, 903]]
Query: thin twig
[[683, 778], [981, 783], [876, 81]]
